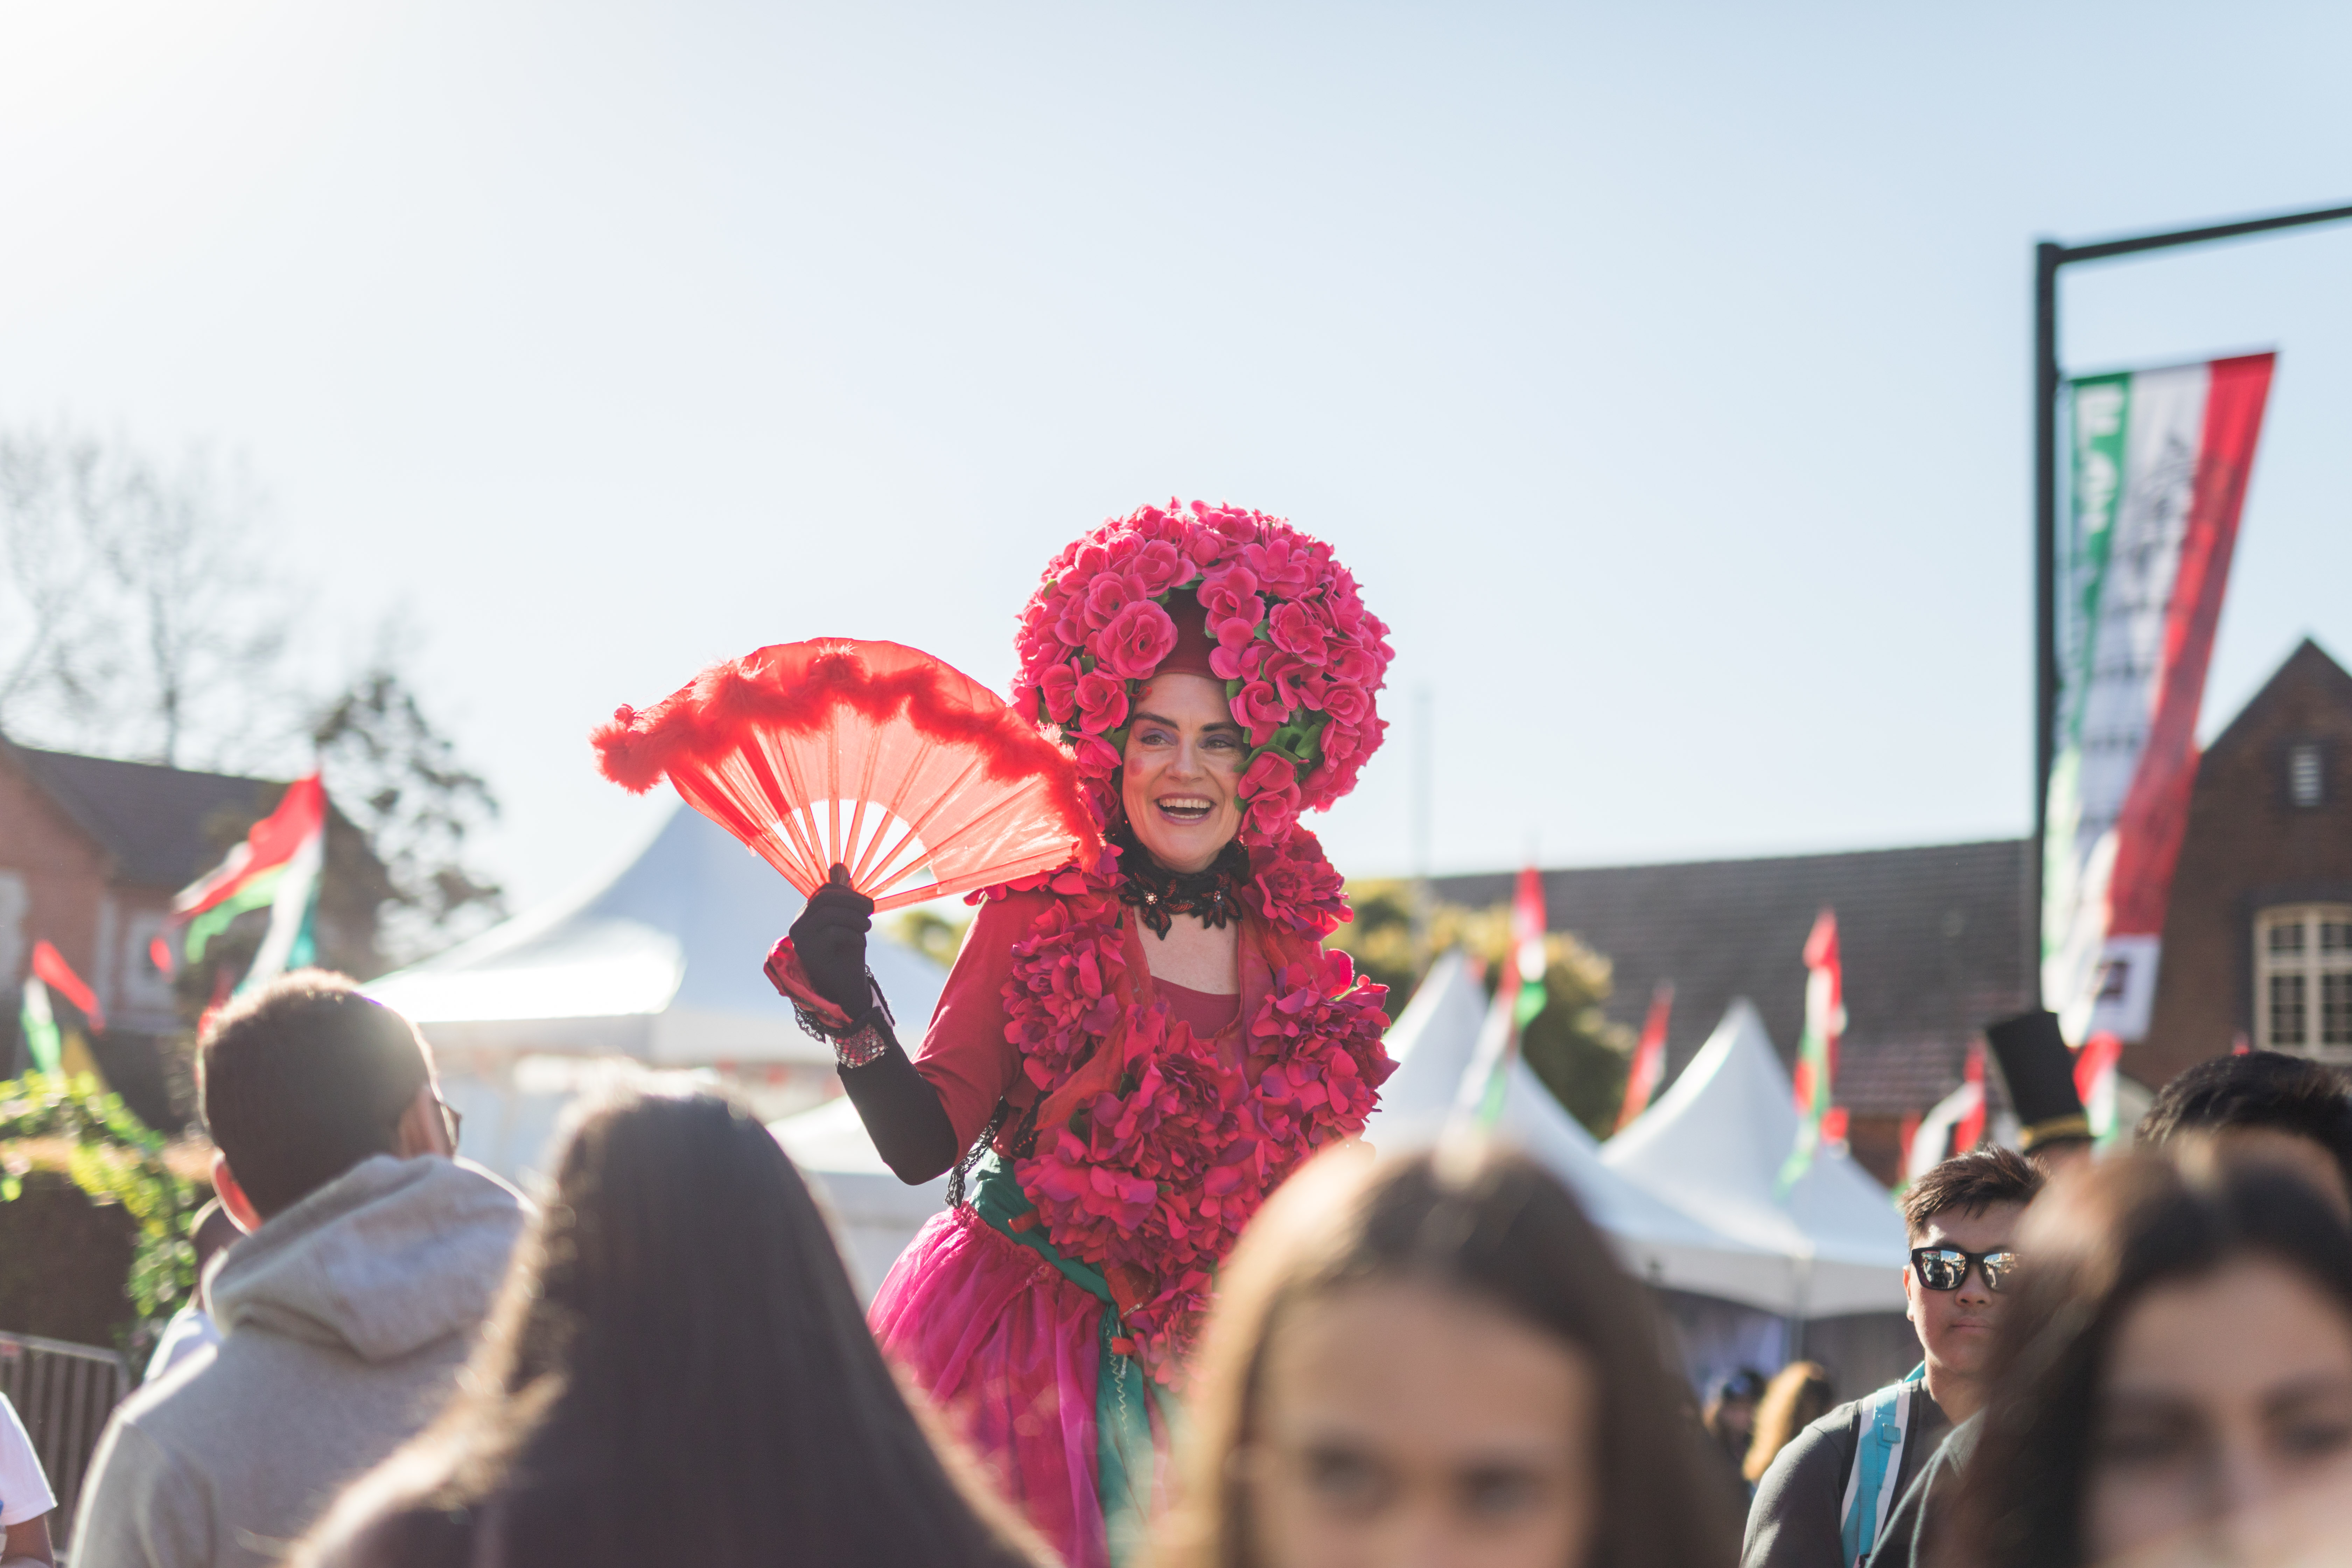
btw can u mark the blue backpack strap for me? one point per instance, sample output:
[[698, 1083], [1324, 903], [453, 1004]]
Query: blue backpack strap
[[1879, 1434]]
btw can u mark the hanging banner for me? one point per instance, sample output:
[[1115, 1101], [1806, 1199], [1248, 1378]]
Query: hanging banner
[[2158, 461]]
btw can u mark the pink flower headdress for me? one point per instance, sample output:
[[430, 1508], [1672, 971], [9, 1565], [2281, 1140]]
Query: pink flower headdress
[[1301, 658], [1157, 1180]]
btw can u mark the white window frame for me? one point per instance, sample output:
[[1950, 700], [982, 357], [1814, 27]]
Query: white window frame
[[2314, 967]]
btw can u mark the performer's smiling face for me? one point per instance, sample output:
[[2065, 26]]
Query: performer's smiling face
[[1183, 777]]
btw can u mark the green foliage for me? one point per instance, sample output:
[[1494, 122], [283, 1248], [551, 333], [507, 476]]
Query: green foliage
[[1571, 1044], [933, 935], [115, 1160]]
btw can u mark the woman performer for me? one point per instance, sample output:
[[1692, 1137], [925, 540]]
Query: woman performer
[[1135, 1049]]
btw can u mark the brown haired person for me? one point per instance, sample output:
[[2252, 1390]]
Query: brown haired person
[[1437, 1358], [346, 1311], [2173, 1382], [1799, 1394], [677, 1372], [1827, 1495]]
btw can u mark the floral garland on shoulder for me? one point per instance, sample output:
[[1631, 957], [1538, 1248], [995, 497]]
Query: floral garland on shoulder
[[1153, 1179]]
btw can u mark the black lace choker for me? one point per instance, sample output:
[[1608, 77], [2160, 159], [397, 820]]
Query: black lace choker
[[1159, 894]]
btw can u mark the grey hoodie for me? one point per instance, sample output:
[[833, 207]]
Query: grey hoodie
[[346, 1319]]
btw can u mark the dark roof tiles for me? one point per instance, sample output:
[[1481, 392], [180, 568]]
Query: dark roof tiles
[[162, 827]]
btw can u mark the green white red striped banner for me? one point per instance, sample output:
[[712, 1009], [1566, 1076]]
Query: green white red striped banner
[[2159, 462]]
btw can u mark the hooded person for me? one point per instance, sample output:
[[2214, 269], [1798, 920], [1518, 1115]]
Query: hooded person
[[371, 1259], [1132, 1050]]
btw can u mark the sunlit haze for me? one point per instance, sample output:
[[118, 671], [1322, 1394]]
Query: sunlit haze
[[1661, 372]]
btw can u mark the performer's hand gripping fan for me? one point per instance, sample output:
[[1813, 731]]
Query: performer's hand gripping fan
[[865, 764]]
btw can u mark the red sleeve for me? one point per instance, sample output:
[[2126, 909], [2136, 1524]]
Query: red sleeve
[[965, 1056]]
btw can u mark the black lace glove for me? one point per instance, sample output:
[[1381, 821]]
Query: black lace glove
[[830, 937]]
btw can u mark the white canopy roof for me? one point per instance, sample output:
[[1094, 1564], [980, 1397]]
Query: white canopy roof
[[1433, 1043], [875, 1214], [1714, 1144], [660, 961]]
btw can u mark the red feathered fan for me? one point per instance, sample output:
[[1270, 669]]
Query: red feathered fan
[[869, 756]]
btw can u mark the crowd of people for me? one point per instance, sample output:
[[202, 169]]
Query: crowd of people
[[1175, 1312], [1417, 1357]]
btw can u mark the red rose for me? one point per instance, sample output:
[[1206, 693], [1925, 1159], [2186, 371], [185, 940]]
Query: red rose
[[1102, 702], [1134, 644]]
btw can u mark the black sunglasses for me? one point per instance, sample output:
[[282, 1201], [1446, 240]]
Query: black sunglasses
[[453, 1121], [1946, 1268]]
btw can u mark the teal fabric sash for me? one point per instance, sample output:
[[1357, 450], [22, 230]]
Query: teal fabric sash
[[1122, 1392]]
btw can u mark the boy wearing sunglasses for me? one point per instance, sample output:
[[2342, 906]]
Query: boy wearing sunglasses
[[1825, 1499]]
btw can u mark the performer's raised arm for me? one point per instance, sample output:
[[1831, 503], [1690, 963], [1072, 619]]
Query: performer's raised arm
[[923, 1107], [901, 1111]]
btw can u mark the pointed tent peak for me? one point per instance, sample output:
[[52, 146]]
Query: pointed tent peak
[[1738, 1056], [1730, 1109], [1431, 1042], [1448, 996]]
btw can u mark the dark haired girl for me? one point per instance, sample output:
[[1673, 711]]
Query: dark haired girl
[[2174, 1383], [1437, 1358], [677, 1372]]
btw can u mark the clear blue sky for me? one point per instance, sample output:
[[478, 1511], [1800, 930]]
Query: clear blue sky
[[1662, 371]]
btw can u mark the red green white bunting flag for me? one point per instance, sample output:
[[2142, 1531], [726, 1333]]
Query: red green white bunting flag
[[2159, 462], [276, 868], [1649, 1059], [1517, 999], [55, 1047], [1818, 1121]]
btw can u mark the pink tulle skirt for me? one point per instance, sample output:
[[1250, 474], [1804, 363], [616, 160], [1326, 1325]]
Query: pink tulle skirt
[[1008, 1348]]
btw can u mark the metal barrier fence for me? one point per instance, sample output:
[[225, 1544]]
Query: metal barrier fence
[[63, 1393]]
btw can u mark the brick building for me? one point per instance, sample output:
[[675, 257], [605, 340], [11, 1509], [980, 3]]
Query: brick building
[[92, 852], [1936, 943], [2258, 936]]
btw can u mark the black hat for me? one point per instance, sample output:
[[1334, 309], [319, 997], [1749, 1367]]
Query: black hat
[[2041, 1074]]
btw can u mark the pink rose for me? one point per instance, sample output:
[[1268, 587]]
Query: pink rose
[[1351, 665], [1346, 704], [1158, 567], [1283, 569], [1134, 643], [1258, 709], [1272, 772], [1106, 595], [1095, 754], [1102, 702], [1292, 628], [1231, 582], [1059, 682]]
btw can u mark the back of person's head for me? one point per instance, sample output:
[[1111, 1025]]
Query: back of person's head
[[1799, 1394], [2258, 1092], [1969, 1183], [2107, 1236], [1489, 1229], [678, 1371], [302, 1080]]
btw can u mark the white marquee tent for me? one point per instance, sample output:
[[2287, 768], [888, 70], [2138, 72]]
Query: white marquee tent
[[875, 1215], [1433, 1043], [659, 963], [1714, 1144]]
